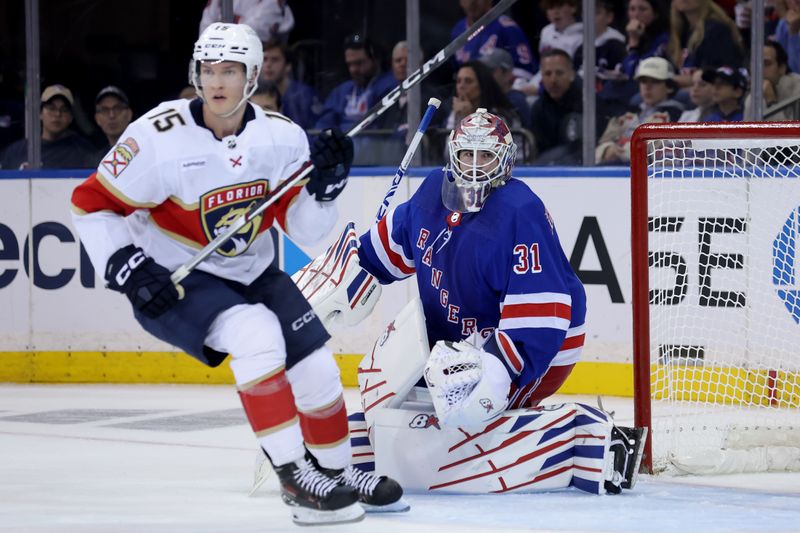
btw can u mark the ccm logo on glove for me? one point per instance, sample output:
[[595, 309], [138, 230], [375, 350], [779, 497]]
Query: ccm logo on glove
[[146, 283]]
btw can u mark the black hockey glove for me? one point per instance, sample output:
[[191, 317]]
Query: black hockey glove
[[142, 280], [332, 155]]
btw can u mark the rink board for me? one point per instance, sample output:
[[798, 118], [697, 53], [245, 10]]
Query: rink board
[[58, 323]]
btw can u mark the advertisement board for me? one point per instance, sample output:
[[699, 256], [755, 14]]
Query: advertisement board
[[53, 301]]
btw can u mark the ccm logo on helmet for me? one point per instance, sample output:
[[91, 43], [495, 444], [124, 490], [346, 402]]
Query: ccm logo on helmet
[[303, 320]]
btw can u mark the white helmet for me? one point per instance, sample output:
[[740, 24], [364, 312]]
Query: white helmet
[[229, 42], [468, 180]]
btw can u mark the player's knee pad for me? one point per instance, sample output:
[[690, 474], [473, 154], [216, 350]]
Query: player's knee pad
[[315, 380], [252, 335]]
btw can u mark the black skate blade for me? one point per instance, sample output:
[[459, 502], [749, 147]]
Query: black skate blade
[[303, 516], [400, 506], [640, 436]]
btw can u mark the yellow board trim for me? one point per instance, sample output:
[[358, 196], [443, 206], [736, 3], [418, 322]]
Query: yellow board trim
[[176, 367], [707, 384], [726, 385]]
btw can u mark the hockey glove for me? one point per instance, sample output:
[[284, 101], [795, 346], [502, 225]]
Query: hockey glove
[[142, 280], [332, 155]]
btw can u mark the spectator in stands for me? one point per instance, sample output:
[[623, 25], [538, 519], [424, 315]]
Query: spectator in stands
[[476, 87], [788, 34], [271, 19], [648, 33], [502, 67], [656, 86], [12, 102], [61, 147], [112, 112], [267, 97], [701, 95], [299, 101], [779, 83], [609, 43], [347, 104], [502, 32], [613, 87], [563, 33], [188, 93], [556, 114], [702, 35], [730, 86]]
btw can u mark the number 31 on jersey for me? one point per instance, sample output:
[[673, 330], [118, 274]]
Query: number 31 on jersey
[[527, 259]]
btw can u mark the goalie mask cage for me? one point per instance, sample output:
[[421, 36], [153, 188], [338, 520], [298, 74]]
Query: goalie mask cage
[[715, 233]]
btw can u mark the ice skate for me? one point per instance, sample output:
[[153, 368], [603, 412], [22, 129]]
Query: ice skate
[[625, 452], [315, 498], [377, 494]]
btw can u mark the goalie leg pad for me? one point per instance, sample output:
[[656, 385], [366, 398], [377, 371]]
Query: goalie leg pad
[[524, 450], [395, 363]]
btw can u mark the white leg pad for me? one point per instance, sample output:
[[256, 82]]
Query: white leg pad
[[525, 450], [395, 363]]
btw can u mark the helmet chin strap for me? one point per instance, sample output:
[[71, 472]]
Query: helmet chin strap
[[245, 95], [232, 111]]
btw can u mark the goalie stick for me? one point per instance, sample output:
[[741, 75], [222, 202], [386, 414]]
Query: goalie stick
[[377, 110], [433, 105]]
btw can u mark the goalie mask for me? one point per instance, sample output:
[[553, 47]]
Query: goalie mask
[[229, 42], [482, 155]]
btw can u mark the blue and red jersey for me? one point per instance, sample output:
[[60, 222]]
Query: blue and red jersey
[[500, 272]]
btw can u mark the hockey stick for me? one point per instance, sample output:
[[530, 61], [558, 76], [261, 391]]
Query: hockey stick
[[377, 110], [313, 276], [433, 105]]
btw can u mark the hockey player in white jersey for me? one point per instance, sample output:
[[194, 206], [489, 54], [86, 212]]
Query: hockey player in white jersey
[[497, 328], [178, 177]]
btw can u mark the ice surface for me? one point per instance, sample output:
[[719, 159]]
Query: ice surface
[[125, 458]]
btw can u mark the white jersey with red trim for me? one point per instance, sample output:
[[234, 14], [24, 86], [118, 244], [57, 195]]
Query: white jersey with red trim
[[170, 186], [501, 270]]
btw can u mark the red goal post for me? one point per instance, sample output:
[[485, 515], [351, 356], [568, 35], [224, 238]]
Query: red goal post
[[734, 167]]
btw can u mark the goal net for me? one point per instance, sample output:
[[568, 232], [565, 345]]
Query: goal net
[[716, 295]]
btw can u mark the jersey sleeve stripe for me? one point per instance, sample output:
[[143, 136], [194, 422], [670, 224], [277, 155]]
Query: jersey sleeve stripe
[[538, 297], [539, 322], [552, 309], [396, 264], [509, 352], [92, 195], [571, 348]]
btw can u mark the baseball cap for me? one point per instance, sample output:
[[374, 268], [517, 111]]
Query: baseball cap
[[112, 90], [52, 91], [737, 77], [498, 58], [657, 68]]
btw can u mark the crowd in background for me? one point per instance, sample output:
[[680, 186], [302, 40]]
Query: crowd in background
[[684, 61]]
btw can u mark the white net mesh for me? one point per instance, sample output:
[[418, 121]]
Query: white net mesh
[[724, 228]]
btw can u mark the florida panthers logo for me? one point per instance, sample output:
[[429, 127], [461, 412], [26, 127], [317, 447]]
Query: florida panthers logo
[[220, 207]]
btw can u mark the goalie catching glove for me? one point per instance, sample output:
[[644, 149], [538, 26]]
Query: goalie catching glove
[[146, 283], [332, 155], [469, 387]]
